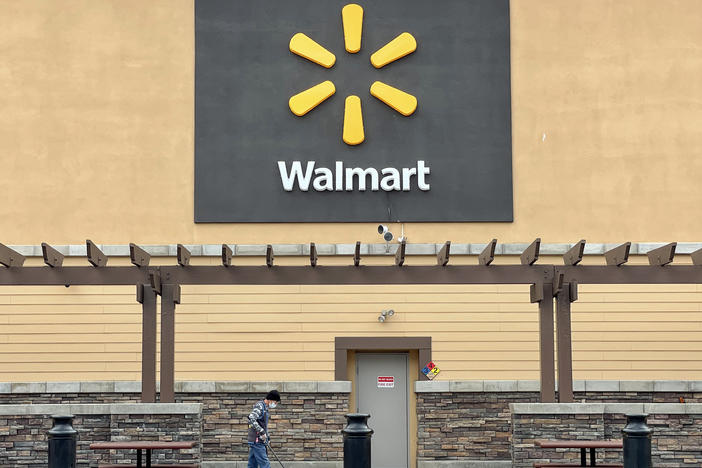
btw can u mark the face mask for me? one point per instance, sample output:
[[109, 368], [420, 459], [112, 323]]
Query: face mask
[[273, 404]]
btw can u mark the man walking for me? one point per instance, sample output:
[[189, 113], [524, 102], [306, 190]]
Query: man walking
[[258, 430]]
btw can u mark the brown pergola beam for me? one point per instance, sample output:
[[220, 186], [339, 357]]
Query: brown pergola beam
[[270, 257], [632, 274], [10, 258], [442, 258], [400, 254], [696, 257], [662, 255], [488, 254], [52, 257], [618, 255], [357, 254], [95, 255], [76, 275], [418, 274], [155, 281], [226, 255], [138, 256], [531, 253], [575, 254], [182, 255], [313, 255]]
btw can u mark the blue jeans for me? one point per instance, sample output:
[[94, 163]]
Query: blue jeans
[[258, 458]]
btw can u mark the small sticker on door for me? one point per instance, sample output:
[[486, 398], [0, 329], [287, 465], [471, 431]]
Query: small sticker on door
[[386, 381]]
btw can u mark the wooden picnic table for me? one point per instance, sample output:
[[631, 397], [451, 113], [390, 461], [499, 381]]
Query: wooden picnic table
[[583, 445], [142, 445]]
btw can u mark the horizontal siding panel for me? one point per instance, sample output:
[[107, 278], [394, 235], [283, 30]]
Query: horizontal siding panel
[[478, 332], [97, 299], [69, 337], [60, 356], [70, 375], [74, 319]]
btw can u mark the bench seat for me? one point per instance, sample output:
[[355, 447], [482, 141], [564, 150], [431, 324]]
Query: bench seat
[[566, 465], [152, 466]]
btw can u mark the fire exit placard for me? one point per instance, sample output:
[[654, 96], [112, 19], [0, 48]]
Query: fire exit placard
[[386, 381]]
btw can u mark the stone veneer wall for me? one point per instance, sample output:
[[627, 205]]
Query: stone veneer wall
[[307, 426], [677, 438], [471, 420], [457, 420], [24, 431], [474, 426]]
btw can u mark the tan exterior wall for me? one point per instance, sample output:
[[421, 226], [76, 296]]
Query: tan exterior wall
[[96, 139], [97, 116], [287, 332]]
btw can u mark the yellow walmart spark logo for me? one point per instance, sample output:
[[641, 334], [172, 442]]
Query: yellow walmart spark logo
[[352, 18]]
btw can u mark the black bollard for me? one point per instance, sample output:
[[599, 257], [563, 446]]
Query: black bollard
[[357, 441], [62, 443], [637, 442]]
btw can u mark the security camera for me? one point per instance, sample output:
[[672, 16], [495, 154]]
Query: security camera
[[385, 232]]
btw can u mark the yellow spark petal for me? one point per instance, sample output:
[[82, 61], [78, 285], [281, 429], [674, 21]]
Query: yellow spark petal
[[302, 103], [352, 15], [402, 45], [399, 100], [305, 47], [353, 121]]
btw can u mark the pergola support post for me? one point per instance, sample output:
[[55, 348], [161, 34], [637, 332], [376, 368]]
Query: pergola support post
[[546, 348], [564, 297], [170, 296], [147, 296]]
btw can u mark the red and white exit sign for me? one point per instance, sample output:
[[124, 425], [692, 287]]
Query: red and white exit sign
[[387, 381]]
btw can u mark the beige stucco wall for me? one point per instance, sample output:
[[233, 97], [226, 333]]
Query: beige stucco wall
[[96, 140], [96, 128]]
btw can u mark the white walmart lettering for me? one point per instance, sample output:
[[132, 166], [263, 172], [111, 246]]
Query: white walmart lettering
[[352, 178]]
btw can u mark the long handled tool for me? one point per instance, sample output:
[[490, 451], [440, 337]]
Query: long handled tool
[[276, 456]]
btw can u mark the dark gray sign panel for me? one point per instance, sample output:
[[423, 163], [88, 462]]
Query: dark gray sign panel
[[256, 161]]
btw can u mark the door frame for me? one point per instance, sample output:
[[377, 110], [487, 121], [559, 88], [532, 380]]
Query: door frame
[[344, 344]]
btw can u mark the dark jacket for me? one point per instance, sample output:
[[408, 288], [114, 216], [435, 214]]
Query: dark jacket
[[258, 422]]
